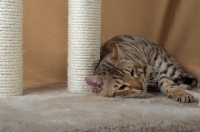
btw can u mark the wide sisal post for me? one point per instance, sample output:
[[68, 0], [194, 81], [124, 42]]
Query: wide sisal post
[[84, 22], [11, 62]]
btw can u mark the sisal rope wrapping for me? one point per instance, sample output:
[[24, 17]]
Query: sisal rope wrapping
[[84, 22], [11, 62]]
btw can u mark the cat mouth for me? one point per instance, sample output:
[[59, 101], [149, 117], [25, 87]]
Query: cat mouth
[[138, 92]]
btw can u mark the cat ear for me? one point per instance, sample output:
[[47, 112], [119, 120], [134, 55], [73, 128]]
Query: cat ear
[[116, 53], [95, 82]]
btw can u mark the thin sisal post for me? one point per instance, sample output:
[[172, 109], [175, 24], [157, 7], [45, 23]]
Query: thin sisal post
[[84, 22], [11, 62]]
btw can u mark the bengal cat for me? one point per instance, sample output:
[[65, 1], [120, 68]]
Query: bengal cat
[[130, 64]]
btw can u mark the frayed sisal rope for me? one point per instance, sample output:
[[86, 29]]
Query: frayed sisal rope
[[84, 22], [11, 62]]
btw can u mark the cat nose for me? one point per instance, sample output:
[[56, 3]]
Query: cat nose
[[139, 87], [136, 84]]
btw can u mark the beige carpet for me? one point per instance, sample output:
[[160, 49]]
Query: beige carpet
[[53, 109]]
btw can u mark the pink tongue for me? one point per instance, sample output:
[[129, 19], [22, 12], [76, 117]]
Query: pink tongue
[[97, 88]]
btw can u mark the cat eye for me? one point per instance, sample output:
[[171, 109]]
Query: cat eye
[[122, 87], [132, 73]]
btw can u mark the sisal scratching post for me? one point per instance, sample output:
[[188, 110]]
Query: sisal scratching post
[[84, 21], [11, 62]]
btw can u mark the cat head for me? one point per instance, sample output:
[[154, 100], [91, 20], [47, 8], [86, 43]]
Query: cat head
[[116, 76]]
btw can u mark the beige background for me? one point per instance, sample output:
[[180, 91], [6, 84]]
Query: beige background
[[174, 24]]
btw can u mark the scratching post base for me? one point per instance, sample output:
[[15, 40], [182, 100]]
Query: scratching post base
[[53, 109]]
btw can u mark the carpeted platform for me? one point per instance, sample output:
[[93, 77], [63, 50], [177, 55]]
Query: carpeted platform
[[52, 109]]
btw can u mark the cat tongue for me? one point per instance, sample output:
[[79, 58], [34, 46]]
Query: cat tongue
[[94, 82]]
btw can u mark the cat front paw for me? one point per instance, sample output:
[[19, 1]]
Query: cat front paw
[[180, 95]]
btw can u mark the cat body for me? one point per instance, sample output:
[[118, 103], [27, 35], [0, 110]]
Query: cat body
[[129, 65]]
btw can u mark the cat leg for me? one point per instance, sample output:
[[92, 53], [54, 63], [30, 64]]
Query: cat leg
[[186, 81], [168, 87], [181, 78], [170, 67]]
